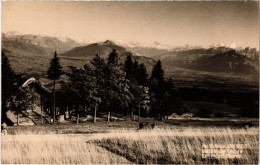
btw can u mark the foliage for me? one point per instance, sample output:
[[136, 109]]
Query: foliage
[[22, 100], [142, 75], [145, 103], [54, 72], [102, 84], [157, 73], [129, 67]]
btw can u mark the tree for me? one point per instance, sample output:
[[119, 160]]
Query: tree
[[170, 86], [158, 72], [145, 104], [129, 67], [9, 87], [141, 75], [113, 58], [76, 82], [158, 89], [137, 92], [21, 101], [83, 85], [54, 72], [247, 49], [135, 69], [157, 84], [111, 85], [100, 67], [117, 88]]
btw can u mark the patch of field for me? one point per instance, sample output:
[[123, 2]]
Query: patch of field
[[182, 146], [54, 149], [106, 127], [71, 128], [168, 145]]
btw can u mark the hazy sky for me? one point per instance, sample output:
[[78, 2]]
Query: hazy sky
[[173, 23]]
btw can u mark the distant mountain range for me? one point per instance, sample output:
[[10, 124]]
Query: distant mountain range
[[34, 43], [31, 54], [101, 48], [218, 59]]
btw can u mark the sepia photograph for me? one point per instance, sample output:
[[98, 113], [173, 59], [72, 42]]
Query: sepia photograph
[[130, 82]]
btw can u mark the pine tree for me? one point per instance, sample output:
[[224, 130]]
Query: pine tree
[[54, 72], [129, 67], [113, 58], [158, 72], [158, 89], [135, 69], [142, 76], [170, 86]]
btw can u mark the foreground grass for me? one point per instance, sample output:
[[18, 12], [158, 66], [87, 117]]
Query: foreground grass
[[182, 145], [54, 149]]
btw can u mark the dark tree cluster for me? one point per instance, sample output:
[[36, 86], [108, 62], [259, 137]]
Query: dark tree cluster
[[14, 98], [165, 100], [108, 86]]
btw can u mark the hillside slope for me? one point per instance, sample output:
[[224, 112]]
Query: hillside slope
[[103, 49], [230, 61], [219, 59]]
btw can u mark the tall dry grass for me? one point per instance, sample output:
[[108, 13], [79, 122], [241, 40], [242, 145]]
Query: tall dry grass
[[183, 146], [54, 149], [162, 146]]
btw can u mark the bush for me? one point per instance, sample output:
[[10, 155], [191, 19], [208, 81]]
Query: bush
[[204, 113]]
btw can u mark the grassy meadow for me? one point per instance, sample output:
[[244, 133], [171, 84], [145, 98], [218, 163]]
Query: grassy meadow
[[116, 143]]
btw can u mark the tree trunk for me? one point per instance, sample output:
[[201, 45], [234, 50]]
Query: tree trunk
[[54, 106], [95, 114], [77, 118], [126, 114], [85, 109], [108, 116], [69, 112], [132, 113], [139, 113], [41, 110], [17, 118]]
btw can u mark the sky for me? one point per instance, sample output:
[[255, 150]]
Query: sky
[[172, 23]]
